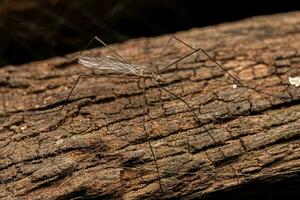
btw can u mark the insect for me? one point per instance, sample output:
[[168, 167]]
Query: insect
[[120, 65]]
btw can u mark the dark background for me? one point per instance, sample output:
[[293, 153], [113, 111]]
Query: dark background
[[39, 29]]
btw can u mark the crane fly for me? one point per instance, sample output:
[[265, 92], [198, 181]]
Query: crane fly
[[120, 66]]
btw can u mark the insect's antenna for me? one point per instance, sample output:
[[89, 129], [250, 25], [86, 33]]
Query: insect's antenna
[[145, 131], [198, 120]]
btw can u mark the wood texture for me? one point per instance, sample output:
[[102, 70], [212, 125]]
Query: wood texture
[[96, 146]]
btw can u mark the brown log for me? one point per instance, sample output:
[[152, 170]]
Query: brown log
[[95, 147]]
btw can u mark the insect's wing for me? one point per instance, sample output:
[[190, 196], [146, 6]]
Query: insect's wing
[[109, 64], [119, 66]]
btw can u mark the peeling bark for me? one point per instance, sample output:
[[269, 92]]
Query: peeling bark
[[96, 146]]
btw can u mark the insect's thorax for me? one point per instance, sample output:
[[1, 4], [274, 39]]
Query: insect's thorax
[[151, 74]]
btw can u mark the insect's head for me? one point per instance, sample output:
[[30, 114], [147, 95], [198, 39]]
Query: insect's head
[[89, 61]]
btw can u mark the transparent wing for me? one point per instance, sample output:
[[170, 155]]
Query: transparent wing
[[110, 64]]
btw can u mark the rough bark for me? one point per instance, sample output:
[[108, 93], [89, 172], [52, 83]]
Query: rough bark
[[96, 146]]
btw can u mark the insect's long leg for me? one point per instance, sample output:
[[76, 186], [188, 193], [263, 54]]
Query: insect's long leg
[[87, 46], [220, 66], [73, 87], [80, 76], [214, 61], [106, 45], [145, 131], [65, 101], [198, 49], [211, 58], [165, 47], [198, 119], [76, 82], [185, 102], [178, 60]]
